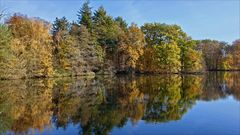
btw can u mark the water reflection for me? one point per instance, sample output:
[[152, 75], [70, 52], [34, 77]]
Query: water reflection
[[99, 104]]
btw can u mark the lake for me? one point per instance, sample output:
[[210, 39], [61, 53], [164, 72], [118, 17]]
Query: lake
[[206, 104]]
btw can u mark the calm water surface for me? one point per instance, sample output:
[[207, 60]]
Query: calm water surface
[[136, 105]]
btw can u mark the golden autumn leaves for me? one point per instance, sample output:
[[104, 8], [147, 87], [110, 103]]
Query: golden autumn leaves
[[100, 44]]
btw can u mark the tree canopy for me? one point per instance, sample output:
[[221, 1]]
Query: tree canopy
[[98, 43]]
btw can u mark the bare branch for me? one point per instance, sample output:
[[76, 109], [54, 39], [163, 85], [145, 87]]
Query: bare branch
[[2, 13]]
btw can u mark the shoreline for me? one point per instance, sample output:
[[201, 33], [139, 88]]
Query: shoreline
[[92, 75]]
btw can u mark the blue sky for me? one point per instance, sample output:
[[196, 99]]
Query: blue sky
[[201, 19]]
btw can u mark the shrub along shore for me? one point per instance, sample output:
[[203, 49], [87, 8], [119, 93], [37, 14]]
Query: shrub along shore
[[97, 43]]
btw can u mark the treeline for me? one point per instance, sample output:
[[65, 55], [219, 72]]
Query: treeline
[[99, 43]]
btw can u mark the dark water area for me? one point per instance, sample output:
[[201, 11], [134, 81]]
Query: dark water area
[[206, 104]]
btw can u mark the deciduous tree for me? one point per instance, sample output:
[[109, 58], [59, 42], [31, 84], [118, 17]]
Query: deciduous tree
[[130, 48], [32, 45]]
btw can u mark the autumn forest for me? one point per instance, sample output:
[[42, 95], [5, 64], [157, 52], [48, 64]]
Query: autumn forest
[[97, 43]]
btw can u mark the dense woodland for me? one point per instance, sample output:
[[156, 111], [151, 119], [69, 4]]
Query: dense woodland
[[97, 43]]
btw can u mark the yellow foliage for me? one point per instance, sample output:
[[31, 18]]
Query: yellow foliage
[[130, 48], [31, 46]]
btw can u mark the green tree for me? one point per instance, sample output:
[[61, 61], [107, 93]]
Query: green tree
[[67, 57], [106, 33], [85, 16], [163, 39], [191, 58], [6, 55], [122, 23], [174, 50], [168, 57], [107, 30]]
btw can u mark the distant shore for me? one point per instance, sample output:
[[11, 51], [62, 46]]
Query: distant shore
[[92, 74]]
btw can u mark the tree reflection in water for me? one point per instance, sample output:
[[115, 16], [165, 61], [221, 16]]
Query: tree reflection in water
[[99, 104]]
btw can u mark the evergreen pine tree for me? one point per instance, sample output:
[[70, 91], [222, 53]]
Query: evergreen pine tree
[[85, 16]]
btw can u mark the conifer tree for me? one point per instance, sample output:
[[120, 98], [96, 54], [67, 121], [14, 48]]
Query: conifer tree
[[107, 32], [85, 16], [122, 23], [68, 60]]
